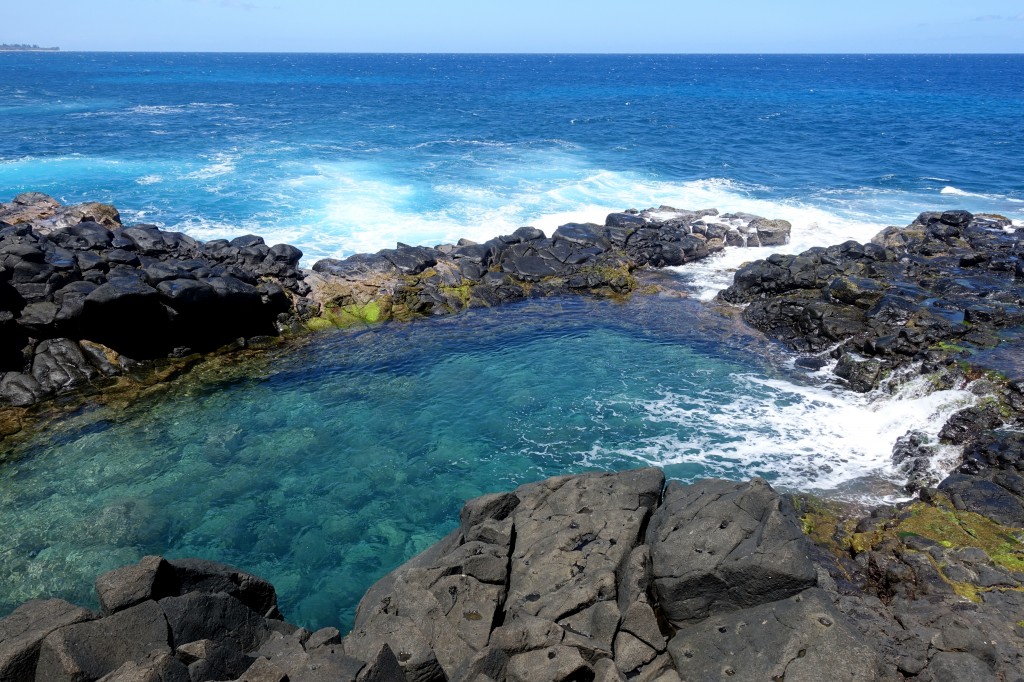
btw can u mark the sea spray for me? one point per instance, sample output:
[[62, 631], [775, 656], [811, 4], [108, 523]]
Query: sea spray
[[820, 437]]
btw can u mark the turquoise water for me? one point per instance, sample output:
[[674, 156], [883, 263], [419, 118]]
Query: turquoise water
[[356, 451]]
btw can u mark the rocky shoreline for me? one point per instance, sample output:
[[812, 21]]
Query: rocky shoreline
[[591, 577], [87, 303]]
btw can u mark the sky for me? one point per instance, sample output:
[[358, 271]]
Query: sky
[[547, 26]]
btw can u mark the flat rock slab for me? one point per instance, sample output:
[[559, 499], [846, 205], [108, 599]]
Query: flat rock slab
[[800, 639], [572, 533]]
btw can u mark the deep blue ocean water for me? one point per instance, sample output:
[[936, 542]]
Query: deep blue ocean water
[[343, 153], [350, 455]]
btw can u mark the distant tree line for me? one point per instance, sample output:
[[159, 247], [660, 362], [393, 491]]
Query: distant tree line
[[22, 46]]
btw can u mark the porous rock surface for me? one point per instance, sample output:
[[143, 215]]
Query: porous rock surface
[[599, 576], [948, 279]]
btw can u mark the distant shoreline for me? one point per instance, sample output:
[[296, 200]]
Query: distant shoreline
[[27, 48]]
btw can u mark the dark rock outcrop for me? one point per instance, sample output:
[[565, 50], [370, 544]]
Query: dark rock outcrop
[[83, 297], [942, 283], [741, 550], [928, 297], [577, 258], [72, 276]]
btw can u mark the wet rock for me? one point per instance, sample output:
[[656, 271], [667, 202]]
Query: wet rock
[[913, 453], [969, 422], [994, 449], [861, 374], [20, 389], [59, 365], [985, 496], [771, 232]]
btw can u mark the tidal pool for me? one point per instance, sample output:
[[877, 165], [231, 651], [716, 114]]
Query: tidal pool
[[343, 458]]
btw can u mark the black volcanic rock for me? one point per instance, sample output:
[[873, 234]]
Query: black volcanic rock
[[22, 632], [74, 275], [945, 281]]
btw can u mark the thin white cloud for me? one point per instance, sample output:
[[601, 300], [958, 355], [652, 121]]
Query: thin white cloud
[[999, 17], [243, 5]]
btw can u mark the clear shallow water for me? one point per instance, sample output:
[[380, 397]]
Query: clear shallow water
[[353, 453], [344, 153]]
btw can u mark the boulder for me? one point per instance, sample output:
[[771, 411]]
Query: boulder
[[718, 546], [770, 232], [150, 579], [127, 315], [23, 631], [219, 617], [59, 365], [862, 374], [200, 575], [90, 650]]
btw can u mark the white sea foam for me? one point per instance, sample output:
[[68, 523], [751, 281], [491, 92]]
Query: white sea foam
[[156, 110], [221, 164], [149, 180], [347, 207], [812, 226], [798, 436], [337, 208], [954, 191]]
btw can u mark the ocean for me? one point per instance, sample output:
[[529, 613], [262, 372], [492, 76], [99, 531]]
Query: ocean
[[329, 467]]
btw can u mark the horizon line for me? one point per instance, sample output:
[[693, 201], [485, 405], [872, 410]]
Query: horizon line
[[59, 50]]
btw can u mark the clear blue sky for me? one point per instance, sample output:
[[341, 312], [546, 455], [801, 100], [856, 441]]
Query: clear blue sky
[[519, 25]]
